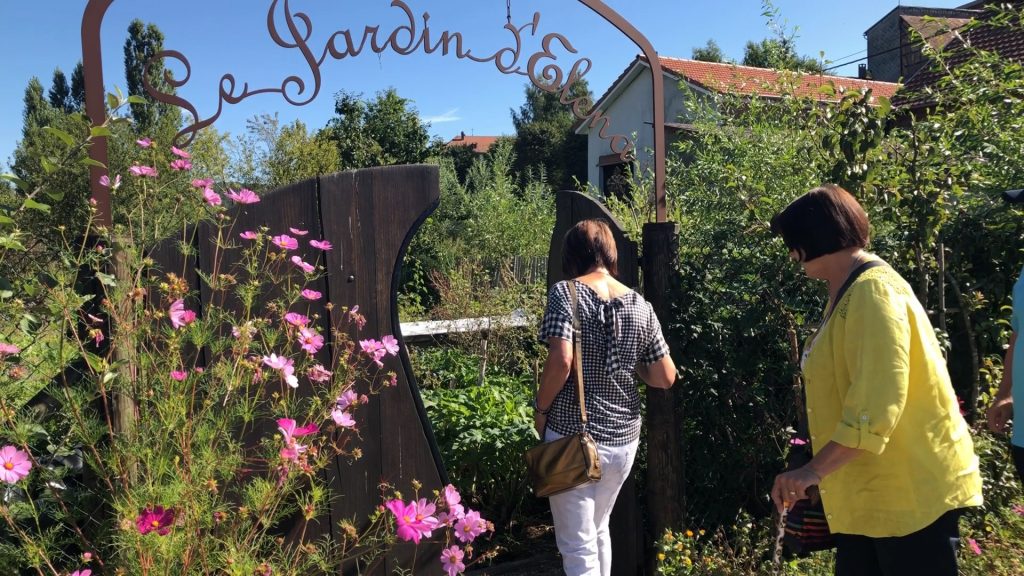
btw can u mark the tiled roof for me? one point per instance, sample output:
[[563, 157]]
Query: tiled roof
[[764, 82], [479, 143], [936, 31], [1006, 41]]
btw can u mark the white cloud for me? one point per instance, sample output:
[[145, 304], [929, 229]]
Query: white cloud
[[448, 116]]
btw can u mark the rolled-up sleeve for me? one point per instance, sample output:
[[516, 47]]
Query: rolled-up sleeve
[[878, 358]]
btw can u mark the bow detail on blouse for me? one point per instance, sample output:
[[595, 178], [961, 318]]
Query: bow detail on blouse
[[607, 315]]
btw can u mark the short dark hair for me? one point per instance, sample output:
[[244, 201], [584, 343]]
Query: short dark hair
[[825, 220], [587, 245]]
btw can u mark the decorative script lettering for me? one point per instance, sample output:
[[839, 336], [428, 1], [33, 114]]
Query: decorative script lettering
[[293, 30]]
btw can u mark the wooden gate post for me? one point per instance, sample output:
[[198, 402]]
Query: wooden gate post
[[664, 452]]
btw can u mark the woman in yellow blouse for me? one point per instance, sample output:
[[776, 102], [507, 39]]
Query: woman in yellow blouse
[[893, 458]]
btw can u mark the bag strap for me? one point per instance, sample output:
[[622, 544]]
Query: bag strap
[[578, 352], [846, 286], [803, 427]]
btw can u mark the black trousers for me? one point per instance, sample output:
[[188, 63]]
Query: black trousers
[[930, 551], [1018, 459]]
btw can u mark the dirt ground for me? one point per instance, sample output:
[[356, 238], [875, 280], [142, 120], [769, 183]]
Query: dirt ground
[[531, 553]]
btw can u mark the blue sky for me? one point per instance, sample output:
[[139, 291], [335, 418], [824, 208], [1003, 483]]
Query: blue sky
[[230, 36]]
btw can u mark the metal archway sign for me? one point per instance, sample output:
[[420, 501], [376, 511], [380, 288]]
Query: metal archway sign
[[541, 67]]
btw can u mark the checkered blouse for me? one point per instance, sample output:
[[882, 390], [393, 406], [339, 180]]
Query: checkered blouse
[[616, 335]]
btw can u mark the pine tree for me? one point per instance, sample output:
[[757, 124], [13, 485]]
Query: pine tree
[[154, 119], [78, 87], [60, 93]]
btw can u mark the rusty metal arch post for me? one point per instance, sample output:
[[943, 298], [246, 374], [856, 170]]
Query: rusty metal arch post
[[92, 60]]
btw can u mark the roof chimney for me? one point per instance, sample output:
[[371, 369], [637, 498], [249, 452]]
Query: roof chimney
[[862, 72]]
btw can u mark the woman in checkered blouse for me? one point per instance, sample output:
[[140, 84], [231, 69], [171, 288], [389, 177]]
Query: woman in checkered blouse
[[620, 336]]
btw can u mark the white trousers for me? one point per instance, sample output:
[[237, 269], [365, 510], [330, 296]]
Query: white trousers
[[581, 514]]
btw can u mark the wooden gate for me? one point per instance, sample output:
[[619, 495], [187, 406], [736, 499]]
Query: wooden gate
[[369, 216], [626, 524]]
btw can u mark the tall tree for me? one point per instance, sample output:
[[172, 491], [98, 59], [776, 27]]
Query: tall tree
[[38, 151], [544, 136], [779, 51], [379, 132], [290, 153], [60, 92], [78, 86], [151, 119], [710, 52]]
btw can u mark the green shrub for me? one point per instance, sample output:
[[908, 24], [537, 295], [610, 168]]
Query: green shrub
[[481, 430]]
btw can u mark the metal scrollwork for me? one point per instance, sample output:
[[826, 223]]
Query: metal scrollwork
[[293, 30]]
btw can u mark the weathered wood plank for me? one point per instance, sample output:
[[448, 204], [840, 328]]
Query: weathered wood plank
[[572, 207], [371, 215], [665, 494]]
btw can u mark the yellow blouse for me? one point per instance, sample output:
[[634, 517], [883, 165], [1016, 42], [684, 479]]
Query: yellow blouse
[[876, 380]]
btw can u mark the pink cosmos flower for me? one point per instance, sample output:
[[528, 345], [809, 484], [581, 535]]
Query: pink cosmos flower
[[298, 232], [290, 429], [321, 245], [318, 373], [374, 349], [1018, 509], [288, 373], [974, 546], [211, 197], [156, 520], [106, 183], [390, 344], [296, 319], [144, 142], [356, 318], [453, 500], [310, 341], [411, 520], [179, 375], [311, 294], [342, 418], [14, 464], [292, 449], [144, 171], [347, 398], [8, 349], [180, 317], [470, 526], [451, 560], [285, 241], [303, 265], [202, 182], [180, 153], [181, 164], [797, 442], [82, 572], [249, 235], [284, 365], [243, 196], [97, 336]]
